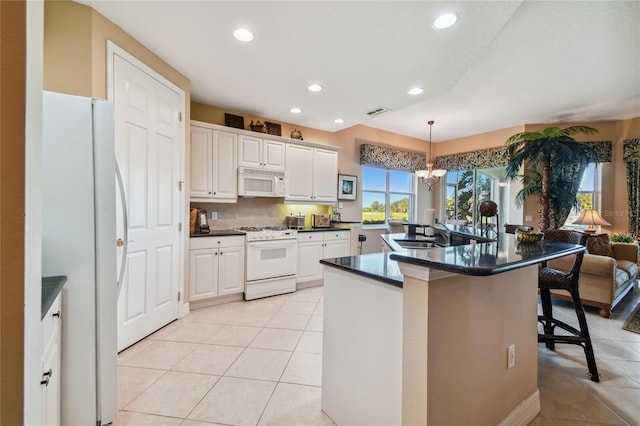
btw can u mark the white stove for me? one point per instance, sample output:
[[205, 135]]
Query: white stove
[[271, 260], [255, 233]]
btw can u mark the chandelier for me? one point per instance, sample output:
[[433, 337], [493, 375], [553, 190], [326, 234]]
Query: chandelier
[[430, 176]]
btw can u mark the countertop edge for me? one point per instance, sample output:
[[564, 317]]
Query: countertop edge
[[484, 270], [374, 276]]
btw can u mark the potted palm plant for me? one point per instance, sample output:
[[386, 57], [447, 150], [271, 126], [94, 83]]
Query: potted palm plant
[[545, 155]]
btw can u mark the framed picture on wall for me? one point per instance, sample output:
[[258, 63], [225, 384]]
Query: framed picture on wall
[[347, 187]]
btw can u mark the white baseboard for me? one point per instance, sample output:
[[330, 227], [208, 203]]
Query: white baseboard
[[184, 310], [523, 413], [307, 284], [215, 301]]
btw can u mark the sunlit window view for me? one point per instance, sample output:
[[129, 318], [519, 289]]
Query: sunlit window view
[[586, 196], [465, 190], [386, 195]]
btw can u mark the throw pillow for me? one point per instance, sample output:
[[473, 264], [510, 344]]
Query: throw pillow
[[600, 245]]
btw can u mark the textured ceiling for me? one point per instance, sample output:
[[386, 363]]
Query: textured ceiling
[[504, 63]]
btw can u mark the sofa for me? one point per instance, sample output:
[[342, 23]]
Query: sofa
[[609, 271]]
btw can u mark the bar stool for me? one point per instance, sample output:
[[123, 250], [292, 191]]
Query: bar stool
[[552, 279], [361, 238]]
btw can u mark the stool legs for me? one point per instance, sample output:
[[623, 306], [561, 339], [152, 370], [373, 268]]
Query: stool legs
[[579, 337], [584, 331]]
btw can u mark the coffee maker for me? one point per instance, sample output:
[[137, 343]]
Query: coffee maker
[[199, 222]]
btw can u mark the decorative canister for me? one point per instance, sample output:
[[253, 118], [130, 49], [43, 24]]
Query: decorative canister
[[295, 134]]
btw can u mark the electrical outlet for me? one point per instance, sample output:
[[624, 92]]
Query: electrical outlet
[[340, 205], [528, 218], [214, 215], [511, 356]]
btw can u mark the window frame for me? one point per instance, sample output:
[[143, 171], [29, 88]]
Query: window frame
[[387, 196]]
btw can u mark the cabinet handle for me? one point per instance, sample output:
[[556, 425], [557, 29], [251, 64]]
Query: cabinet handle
[[56, 314], [46, 376]]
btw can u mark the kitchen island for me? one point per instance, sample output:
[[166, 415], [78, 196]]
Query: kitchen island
[[435, 349]]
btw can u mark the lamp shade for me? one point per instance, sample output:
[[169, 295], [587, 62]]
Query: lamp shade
[[591, 218]]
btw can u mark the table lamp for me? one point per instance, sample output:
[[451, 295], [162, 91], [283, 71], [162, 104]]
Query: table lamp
[[590, 218]]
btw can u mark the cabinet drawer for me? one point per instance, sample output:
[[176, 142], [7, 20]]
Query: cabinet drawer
[[336, 235], [216, 242], [310, 236]]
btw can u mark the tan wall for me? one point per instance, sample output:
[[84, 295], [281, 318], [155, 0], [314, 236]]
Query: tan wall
[[12, 198]]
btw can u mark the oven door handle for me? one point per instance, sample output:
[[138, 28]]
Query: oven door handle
[[275, 244]]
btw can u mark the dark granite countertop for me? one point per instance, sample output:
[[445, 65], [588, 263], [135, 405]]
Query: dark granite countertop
[[218, 233], [375, 265], [491, 258], [479, 259], [322, 229], [51, 288]]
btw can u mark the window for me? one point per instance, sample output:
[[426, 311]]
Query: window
[[387, 195], [587, 196], [466, 189]]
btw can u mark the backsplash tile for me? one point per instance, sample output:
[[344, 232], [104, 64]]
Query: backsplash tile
[[257, 212]]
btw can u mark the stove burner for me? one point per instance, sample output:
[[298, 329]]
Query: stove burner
[[249, 229], [276, 228]]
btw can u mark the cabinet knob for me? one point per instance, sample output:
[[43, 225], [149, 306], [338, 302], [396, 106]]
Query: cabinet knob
[[56, 314], [209, 192]]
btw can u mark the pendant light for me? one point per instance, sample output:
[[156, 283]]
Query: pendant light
[[430, 176]]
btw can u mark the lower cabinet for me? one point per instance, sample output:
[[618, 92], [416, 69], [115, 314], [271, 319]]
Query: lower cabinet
[[216, 267], [50, 380], [313, 246]]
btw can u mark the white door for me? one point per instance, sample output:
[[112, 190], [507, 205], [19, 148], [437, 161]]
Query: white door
[[149, 146]]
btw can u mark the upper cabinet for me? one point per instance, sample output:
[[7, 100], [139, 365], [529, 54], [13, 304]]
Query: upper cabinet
[[213, 165], [261, 153], [312, 174]]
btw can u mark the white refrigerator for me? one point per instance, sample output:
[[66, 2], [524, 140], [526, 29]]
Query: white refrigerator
[[79, 241]]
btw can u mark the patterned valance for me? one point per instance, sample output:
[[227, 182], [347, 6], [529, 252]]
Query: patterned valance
[[601, 151], [483, 159], [499, 157], [389, 158], [631, 150]]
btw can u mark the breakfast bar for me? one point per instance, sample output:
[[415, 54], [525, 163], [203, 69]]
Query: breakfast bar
[[439, 334]]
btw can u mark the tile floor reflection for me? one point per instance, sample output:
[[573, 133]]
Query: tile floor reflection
[[260, 363]]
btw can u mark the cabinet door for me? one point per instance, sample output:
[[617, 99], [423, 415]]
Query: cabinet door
[[201, 158], [249, 151], [336, 248], [231, 271], [203, 273], [51, 361], [225, 170], [273, 155], [325, 175], [299, 176], [309, 267]]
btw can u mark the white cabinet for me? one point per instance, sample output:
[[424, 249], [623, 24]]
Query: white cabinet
[[312, 174], [214, 165], [261, 153], [313, 246], [50, 381], [216, 266]]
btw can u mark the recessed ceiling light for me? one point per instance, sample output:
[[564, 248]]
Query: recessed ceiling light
[[295, 110], [338, 121], [445, 21], [415, 91], [315, 87], [243, 34]]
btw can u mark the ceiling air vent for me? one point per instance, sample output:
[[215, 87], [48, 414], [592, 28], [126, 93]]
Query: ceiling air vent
[[378, 111]]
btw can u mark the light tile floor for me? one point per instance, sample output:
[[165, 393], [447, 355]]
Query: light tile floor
[[260, 362]]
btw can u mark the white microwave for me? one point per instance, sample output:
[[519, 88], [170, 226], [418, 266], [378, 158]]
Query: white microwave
[[261, 183]]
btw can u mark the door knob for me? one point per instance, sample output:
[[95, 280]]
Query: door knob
[[119, 242]]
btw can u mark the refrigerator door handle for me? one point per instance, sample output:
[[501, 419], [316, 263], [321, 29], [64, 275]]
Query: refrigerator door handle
[[124, 241]]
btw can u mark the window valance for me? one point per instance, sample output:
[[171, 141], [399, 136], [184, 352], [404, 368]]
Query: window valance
[[499, 157], [389, 158]]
